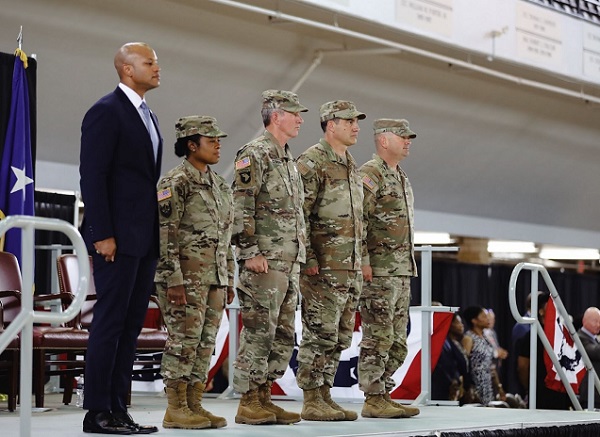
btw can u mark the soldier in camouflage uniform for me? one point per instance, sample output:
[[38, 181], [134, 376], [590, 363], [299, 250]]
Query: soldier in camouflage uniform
[[388, 263], [270, 235], [331, 279], [194, 277]]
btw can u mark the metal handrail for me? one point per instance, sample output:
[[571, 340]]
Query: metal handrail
[[27, 316], [537, 330]]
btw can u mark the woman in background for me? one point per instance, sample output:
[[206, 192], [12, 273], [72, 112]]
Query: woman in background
[[482, 353]]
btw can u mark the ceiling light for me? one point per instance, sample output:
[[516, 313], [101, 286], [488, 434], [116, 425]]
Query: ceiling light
[[510, 255], [553, 252], [495, 246], [433, 238]]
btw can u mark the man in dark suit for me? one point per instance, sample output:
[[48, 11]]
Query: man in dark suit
[[121, 148], [588, 335]]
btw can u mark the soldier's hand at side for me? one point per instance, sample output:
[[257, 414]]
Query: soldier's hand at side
[[230, 295], [367, 272], [311, 271], [258, 264], [176, 295]]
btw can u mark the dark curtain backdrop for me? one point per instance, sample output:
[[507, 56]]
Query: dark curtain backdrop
[[7, 63], [51, 205], [461, 285]]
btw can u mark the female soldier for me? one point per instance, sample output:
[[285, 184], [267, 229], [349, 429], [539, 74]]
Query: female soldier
[[194, 277]]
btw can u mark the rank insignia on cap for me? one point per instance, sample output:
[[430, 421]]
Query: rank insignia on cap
[[370, 183], [243, 163], [164, 194]]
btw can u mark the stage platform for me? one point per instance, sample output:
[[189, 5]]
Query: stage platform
[[66, 421]]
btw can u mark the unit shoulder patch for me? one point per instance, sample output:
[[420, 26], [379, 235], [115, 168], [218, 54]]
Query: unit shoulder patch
[[166, 209], [245, 177]]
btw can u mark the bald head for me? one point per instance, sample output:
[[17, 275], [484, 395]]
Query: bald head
[[137, 66], [127, 52], [591, 320]]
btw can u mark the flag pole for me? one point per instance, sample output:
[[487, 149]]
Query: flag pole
[[20, 38]]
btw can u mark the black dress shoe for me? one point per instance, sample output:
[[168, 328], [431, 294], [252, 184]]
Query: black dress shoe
[[127, 421], [103, 422]]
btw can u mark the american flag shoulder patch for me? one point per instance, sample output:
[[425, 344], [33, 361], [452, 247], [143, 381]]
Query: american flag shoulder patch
[[305, 166], [369, 183], [243, 163], [164, 194]]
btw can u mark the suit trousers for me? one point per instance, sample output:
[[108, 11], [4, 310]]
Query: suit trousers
[[123, 290]]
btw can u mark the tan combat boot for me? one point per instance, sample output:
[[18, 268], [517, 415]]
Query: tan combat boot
[[251, 412], [408, 410], [283, 417], [315, 408], [178, 415], [326, 395], [376, 406], [194, 401]]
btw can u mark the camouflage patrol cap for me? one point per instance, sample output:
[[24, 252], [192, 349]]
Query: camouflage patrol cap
[[286, 100], [398, 127], [340, 109], [198, 124]]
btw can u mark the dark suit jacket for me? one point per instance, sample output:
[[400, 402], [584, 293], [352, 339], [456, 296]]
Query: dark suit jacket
[[119, 176], [593, 350]]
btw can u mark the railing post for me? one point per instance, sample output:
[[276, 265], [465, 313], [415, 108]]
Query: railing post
[[27, 316], [27, 260], [426, 263], [234, 309], [533, 334], [426, 319]]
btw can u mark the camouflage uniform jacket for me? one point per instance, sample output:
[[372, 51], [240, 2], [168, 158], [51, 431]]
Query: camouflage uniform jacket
[[332, 208], [196, 220], [388, 238], [268, 198]]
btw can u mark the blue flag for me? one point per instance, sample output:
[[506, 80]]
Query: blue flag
[[16, 172]]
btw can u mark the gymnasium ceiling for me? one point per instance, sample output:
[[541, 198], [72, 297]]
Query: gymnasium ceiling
[[492, 158]]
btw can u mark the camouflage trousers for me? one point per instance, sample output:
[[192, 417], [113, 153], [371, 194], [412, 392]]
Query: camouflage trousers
[[192, 331], [384, 317], [329, 302], [268, 303]]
